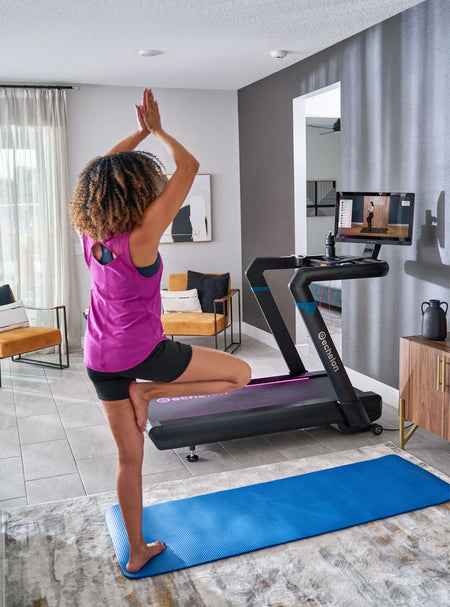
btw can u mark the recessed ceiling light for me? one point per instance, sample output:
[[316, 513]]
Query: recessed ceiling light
[[278, 54], [149, 52]]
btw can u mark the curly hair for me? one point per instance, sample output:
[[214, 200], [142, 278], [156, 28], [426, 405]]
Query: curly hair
[[113, 192]]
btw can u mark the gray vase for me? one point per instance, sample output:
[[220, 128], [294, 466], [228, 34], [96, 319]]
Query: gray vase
[[434, 322]]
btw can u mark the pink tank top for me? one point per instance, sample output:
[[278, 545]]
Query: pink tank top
[[124, 320]]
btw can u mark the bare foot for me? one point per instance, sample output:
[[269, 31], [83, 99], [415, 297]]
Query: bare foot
[[138, 560], [140, 398]]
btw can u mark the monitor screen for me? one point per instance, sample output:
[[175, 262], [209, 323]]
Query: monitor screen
[[375, 217]]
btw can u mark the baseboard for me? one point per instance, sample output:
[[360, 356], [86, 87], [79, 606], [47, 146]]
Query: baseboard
[[267, 338], [264, 336], [366, 383]]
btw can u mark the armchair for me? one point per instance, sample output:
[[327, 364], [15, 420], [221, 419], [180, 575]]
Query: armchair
[[17, 341], [204, 323]]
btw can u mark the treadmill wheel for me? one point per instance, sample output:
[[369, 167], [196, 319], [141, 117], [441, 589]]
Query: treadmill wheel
[[376, 429]]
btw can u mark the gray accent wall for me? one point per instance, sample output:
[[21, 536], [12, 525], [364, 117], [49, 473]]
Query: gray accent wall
[[395, 137]]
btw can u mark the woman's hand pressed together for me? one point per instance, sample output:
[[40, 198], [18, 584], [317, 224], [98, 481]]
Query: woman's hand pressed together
[[148, 113]]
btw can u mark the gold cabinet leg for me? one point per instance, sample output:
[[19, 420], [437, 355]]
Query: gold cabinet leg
[[401, 413], [402, 438]]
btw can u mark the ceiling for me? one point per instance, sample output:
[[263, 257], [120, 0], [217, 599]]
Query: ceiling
[[206, 44]]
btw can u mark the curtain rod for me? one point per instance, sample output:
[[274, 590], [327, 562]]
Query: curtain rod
[[38, 86]]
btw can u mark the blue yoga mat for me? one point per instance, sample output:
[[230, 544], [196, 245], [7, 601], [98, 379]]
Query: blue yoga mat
[[227, 523]]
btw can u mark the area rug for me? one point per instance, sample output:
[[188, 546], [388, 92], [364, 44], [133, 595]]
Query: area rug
[[60, 554]]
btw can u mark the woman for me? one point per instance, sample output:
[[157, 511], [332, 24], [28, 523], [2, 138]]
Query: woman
[[122, 205], [370, 216]]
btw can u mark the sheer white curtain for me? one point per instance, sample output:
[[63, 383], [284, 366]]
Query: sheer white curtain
[[35, 236]]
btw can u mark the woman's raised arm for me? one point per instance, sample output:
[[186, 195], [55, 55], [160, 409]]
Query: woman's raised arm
[[164, 208]]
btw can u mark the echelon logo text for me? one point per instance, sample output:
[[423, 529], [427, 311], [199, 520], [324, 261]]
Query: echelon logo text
[[328, 351]]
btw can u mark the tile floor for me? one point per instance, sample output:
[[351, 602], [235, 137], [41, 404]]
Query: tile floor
[[55, 442]]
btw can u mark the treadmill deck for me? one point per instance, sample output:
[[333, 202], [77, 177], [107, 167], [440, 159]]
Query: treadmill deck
[[259, 408], [253, 396]]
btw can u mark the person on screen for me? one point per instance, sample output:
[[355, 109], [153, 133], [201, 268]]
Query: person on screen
[[370, 216]]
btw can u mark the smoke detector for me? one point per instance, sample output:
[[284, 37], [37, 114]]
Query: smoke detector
[[278, 54], [148, 52]]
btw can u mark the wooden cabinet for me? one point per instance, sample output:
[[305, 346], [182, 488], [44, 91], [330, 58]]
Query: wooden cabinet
[[424, 389]]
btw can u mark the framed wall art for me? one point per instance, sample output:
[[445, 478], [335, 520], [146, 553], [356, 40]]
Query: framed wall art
[[193, 221]]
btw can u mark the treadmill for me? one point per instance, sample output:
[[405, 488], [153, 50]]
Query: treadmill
[[299, 399]]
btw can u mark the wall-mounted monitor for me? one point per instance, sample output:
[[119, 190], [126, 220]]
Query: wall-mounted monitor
[[374, 217]]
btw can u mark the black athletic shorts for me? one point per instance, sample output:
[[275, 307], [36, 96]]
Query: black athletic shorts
[[167, 362]]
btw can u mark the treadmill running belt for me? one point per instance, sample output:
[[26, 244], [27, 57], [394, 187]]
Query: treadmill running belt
[[253, 396]]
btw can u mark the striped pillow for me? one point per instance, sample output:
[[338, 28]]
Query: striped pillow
[[13, 316]]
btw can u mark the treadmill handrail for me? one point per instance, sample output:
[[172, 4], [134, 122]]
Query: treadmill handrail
[[258, 266], [340, 271], [270, 310]]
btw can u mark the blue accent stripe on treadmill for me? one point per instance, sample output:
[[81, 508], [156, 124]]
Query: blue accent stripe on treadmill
[[310, 307], [260, 288], [218, 525]]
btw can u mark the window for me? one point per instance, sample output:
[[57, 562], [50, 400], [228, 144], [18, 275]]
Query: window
[[18, 211], [35, 236]]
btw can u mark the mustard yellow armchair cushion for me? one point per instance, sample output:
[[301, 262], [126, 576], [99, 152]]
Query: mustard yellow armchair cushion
[[27, 339], [192, 323]]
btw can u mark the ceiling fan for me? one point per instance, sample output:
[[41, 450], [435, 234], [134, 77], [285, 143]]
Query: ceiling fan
[[334, 128]]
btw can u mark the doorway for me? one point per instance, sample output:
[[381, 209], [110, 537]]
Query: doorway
[[317, 175]]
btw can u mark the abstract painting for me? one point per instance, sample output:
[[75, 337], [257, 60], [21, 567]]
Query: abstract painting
[[193, 221]]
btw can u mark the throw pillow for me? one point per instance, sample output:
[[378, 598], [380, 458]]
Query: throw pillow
[[13, 316], [181, 301], [6, 296], [209, 287]]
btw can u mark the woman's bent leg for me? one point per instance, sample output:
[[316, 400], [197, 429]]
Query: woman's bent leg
[[209, 372], [130, 448]]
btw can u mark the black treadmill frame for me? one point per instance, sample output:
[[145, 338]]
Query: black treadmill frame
[[348, 409], [310, 269]]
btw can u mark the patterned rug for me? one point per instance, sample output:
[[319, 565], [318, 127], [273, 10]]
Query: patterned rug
[[60, 554]]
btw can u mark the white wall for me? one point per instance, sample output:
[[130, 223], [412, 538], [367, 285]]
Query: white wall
[[206, 123], [323, 155], [323, 162]]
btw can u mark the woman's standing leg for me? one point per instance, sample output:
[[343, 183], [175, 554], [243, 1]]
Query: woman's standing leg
[[130, 448]]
